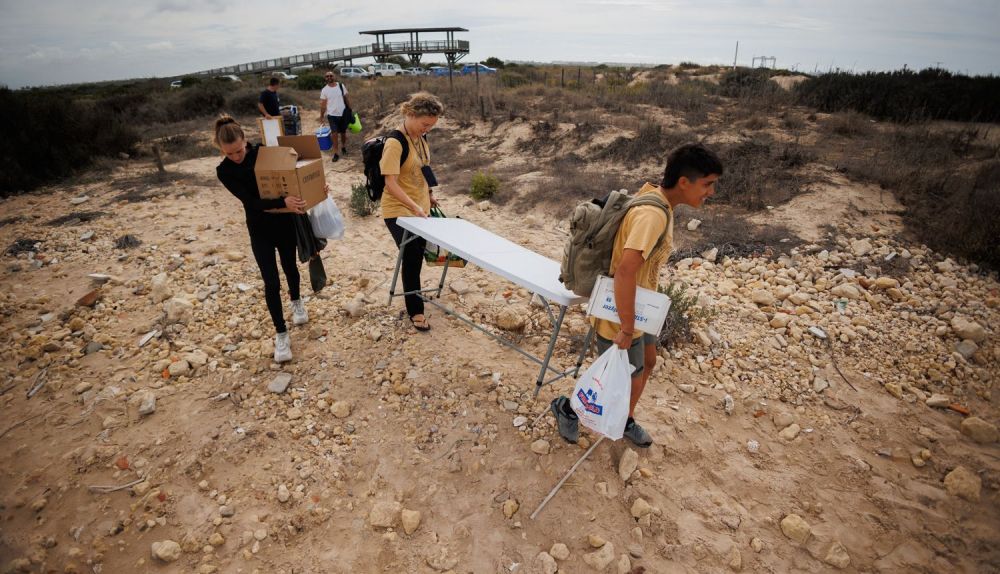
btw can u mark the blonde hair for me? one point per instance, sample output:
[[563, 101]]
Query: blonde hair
[[422, 104], [227, 130]]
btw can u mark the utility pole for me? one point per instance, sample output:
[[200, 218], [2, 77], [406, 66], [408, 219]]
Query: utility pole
[[736, 54]]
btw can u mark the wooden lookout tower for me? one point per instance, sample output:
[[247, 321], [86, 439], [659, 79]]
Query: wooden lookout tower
[[414, 48]]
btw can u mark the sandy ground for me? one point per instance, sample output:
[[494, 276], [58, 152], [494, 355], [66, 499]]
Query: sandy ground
[[380, 422]]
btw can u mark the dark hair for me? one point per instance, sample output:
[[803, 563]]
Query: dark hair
[[274, 82], [691, 161], [227, 130]]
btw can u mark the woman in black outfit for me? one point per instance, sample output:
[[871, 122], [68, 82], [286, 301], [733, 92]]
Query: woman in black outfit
[[269, 231]]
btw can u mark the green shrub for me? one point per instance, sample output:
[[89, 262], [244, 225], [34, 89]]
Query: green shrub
[[243, 102], [310, 82], [906, 95], [42, 141], [484, 186], [360, 205], [684, 311], [188, 81]]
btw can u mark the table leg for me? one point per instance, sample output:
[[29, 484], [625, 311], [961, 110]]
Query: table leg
[[399, 264], [444, 273], [584, 350], [552, 346]]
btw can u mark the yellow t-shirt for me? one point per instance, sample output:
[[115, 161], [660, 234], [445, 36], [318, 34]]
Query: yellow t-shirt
[[640, 229], [410, 178]]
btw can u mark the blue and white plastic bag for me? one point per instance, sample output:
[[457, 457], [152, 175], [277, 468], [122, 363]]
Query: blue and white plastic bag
[[601, 395]]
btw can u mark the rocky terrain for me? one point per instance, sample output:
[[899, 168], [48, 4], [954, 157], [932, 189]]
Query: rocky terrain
[[837, 413]]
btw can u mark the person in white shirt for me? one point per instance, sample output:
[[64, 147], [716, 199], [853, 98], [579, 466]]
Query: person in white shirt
[[335, 104]]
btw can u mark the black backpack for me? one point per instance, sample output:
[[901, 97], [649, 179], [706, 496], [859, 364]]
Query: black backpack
[[371, 155]]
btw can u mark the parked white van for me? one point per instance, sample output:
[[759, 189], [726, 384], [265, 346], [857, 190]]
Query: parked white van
[[386, 69]]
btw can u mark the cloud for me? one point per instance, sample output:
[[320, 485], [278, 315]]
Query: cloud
[[188, 6], [45, 54], [160, 46]]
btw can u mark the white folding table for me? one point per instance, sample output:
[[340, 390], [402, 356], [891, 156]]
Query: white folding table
[[528, 269]]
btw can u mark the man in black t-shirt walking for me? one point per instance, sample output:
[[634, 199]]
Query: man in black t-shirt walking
[[268, 103]]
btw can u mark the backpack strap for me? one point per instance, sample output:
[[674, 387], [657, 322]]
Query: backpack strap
[[652, 199], [398, 136]]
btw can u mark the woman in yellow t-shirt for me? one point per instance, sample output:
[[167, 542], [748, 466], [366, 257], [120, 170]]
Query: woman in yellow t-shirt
[[408, 193]]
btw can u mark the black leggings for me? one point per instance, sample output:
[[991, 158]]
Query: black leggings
[[263, 246], [413, 262]]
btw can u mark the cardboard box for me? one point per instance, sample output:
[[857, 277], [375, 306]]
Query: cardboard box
[[650, 306], [294, 167]]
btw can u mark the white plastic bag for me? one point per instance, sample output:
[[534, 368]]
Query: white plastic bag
[[326, 219], [601, 395]]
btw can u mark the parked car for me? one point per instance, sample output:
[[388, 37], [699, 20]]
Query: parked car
[[353, 72], [418, 71], [438, 71], [385, 69], [228, 78], [483, 69], [176, 84], [283, 75], [407, 72]]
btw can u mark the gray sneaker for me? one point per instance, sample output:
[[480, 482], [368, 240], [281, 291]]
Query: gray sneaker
[[637, 435], [569, 426]]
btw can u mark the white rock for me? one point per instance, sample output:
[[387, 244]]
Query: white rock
[[196, 358], [790, 432], [846, 291], [640, 508], [283, 494], [938, 401], [459, 287], [966, 329], [280, 383], [540, 446], [599, 559], [963, 483], [693, 224], [628, 463], [559, 551], [794, 527], [710, 254], [837, 556], [341, 409], [147, 402], [543, 563], [861, 247], [166, 550], [178, 310], [762, 297], [410, 520], [385, 514], [160, 288]]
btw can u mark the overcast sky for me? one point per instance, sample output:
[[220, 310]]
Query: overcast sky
[[46, 42]]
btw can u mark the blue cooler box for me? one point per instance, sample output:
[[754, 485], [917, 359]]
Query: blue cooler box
[[323, 136]]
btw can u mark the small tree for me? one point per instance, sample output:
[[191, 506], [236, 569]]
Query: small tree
[[360, 204], [494, 62], [684, 311], [484, 186]]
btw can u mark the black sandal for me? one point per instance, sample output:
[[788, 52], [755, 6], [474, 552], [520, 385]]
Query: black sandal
[[421, 324]]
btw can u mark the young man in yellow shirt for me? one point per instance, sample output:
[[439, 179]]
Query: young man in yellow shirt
[[637, 257]]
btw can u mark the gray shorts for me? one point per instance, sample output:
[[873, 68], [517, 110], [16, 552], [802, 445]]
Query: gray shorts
[[636, 352]]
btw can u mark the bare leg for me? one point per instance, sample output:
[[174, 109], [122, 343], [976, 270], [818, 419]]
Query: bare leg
[[639, 381]]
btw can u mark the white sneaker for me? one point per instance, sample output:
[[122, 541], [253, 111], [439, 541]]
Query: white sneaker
[[282, 348], [299, 315]]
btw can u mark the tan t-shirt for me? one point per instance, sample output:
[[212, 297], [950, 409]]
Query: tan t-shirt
[[410, 178], [640, 229]]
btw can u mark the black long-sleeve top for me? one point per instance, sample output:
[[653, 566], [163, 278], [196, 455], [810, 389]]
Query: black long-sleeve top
[[239, 179]]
